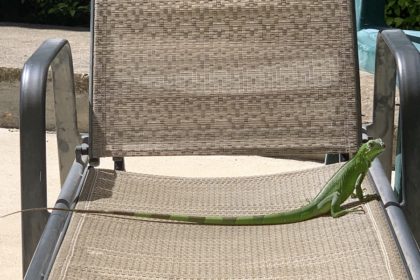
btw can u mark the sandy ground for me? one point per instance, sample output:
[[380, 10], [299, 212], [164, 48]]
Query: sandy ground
[[190, 166], [19, 41]]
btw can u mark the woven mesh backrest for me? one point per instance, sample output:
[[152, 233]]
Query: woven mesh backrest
[[271, 77]]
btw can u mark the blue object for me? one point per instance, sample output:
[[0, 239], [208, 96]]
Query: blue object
[[369, 22]]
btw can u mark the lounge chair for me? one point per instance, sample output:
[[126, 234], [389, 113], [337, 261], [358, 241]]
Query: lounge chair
[[270, 78]]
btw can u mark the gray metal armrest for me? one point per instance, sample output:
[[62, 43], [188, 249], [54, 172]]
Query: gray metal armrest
[[54, 53], [397, 219], [396, 56], [51, 238]]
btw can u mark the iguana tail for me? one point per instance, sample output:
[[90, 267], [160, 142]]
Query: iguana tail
[[293, 216]]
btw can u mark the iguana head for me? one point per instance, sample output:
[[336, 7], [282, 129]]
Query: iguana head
[[371, 149]]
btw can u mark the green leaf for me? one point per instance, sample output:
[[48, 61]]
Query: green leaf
[[83, 8], [62, 6], [398, 21], [391, 3], [52, 11], [389, 21]]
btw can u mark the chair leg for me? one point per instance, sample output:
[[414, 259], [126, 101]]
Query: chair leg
[[119, 163]]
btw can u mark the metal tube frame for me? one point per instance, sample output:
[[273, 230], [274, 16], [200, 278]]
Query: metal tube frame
[[400, 228], [55, 229], [397, 57], [54, 53]]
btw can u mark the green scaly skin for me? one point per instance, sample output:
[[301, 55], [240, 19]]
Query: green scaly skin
[[337, 190], [344, 183]]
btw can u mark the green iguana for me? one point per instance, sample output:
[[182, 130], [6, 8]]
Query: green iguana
[[341, 185]]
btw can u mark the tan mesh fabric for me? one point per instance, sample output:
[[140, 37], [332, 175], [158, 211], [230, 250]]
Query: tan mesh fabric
[[356, 246], [223, 77]]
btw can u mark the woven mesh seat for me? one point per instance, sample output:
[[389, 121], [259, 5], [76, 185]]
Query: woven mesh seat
[[356, 246]]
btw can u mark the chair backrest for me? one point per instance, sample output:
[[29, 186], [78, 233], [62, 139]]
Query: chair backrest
[[268, 77]]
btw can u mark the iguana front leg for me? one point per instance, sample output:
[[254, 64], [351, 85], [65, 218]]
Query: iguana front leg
[[337, 211], [358, 187]]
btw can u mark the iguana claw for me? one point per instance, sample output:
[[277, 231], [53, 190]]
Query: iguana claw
[[356, 209]]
